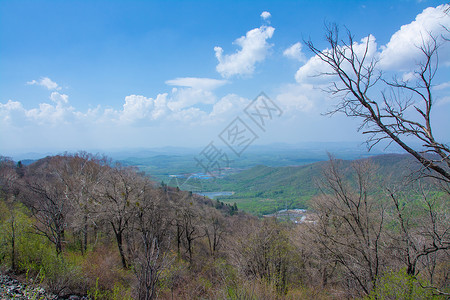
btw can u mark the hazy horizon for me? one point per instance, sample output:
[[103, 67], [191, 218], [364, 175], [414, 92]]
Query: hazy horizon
[[278, 148]]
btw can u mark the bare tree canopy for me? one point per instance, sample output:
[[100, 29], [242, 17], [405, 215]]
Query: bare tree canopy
[[396, 110]]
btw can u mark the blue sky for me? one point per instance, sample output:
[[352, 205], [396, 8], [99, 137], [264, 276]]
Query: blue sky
[[125, 74]]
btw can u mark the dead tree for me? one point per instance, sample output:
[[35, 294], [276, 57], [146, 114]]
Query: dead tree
[[403, 109]]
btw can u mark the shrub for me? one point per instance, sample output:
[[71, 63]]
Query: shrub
[[399, 285]]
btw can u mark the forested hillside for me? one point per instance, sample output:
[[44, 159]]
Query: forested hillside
[[78, 224], [264, 190]]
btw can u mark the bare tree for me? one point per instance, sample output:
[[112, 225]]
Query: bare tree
[[318, 267], [264, 251], [47, 196], [400, 113], [82, 174], [396, 111], [215, 227], [350, 223], [152, 226], [8, 176], [189, 221], [8, 179], [423, 234], [118, 197]]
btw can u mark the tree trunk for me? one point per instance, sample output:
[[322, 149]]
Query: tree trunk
[[58, 243], [13, 245], [85, 233], [179, 233], [120, 246]]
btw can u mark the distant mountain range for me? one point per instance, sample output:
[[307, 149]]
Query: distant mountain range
[[125, 153]]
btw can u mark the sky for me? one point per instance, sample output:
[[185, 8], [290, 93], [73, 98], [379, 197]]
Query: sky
[[82, 75]]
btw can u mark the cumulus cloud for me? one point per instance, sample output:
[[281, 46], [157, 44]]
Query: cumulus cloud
[[10, 106], [12, 113], [188, 116], [45, 82], [403, 48], [53, 114], [402, 53], [59, 98], [137, 110], [314, 67], [136, 107], [265, 15], [399, 57], [160, 106], [191, 91], [48, 114], [197, 83], [297, 98], [254, 49], [186, 97], [229, 105], [295, 52]]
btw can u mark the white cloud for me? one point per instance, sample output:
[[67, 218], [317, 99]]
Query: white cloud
[[297, 98], [402, 51], [136, 107], [11, 113], [254, 49], [178, 105], [312, 70], [9, 106], [59, 98], [231, 104], [186, 97], [407, 76], [314, 67], [401, 55], [443, 101], [295, 52], [58, 113], [160, 106], [265, 15], [193, 91], [442, 86], [189, 116], [54, 115], [45, 82], [14, 114], [197, 83], [137, 110]]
